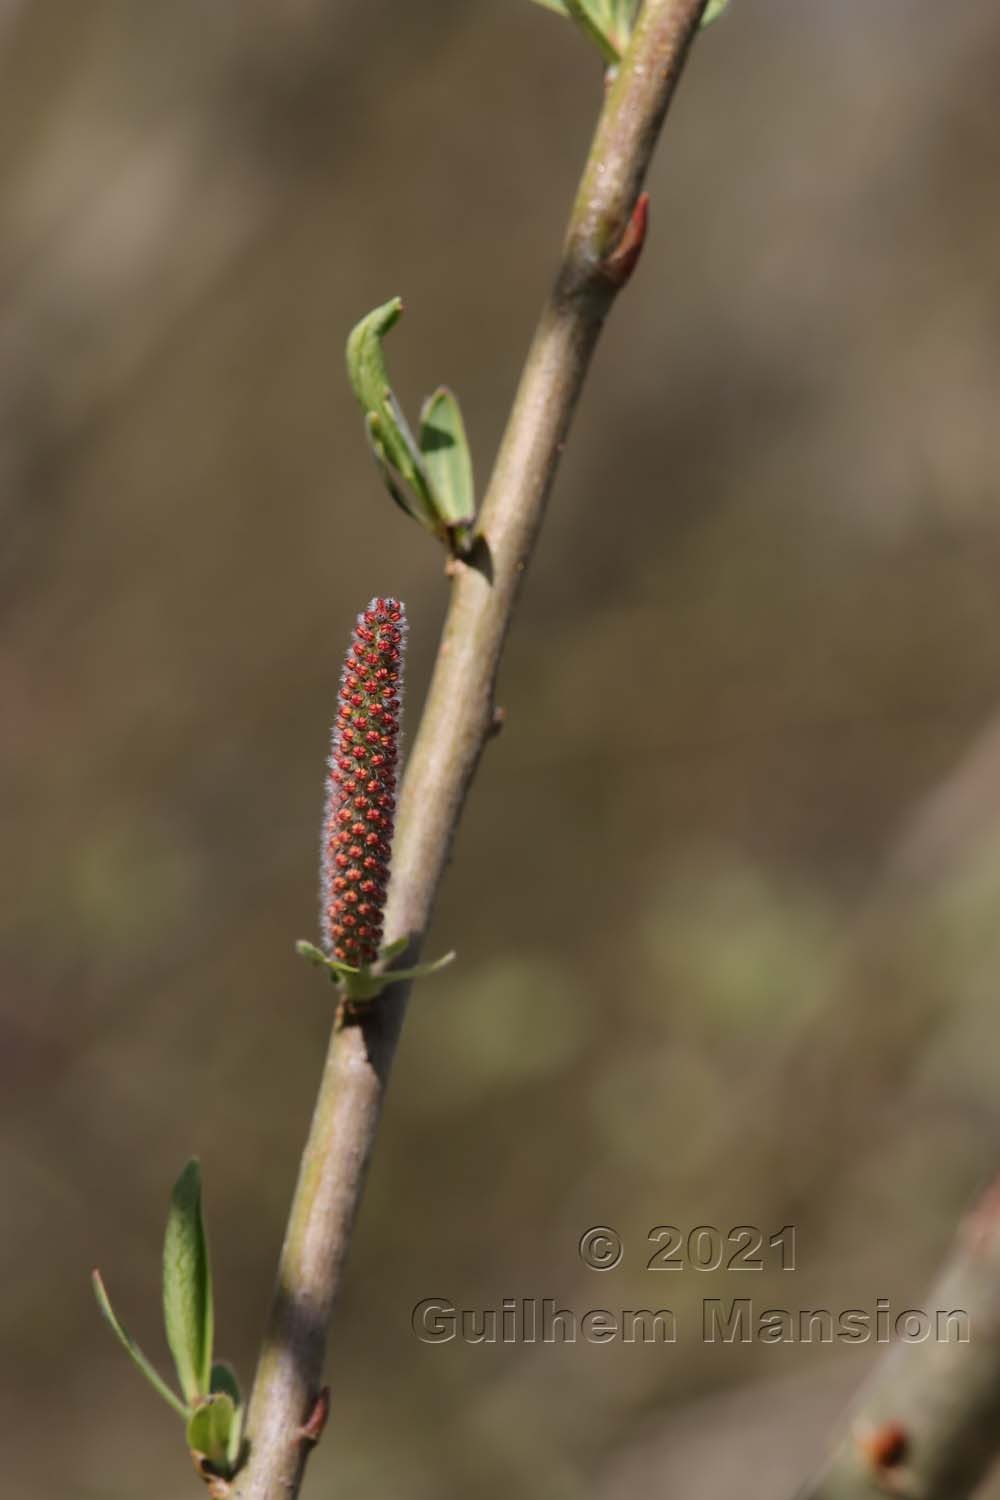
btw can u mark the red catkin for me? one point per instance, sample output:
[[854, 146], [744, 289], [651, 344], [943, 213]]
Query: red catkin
[[361, 786]]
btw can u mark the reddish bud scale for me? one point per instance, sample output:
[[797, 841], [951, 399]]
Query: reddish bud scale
[[361, 786]]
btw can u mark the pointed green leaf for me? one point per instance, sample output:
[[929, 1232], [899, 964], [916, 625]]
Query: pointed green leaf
[[365, 360], [132, 1349], [556, 5], [392, 950], [625, 13], [446, 456], [432, 480], [309, 951], [187, 1286], [361, 987], [392, 443], [421, 971], [592, 18], [410, 499], [713, 10], [319, 960], [210, 1429]]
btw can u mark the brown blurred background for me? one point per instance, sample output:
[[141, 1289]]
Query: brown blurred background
[[726, 892]]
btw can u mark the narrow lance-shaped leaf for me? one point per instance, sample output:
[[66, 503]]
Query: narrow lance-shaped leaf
[[617, 19], [591, 17], [392, 442], [713, 10], [597, 19], [187, 1286], [446, 456], [132, 1348]]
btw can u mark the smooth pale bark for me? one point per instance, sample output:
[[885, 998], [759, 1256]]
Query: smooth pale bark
[[604, 238]]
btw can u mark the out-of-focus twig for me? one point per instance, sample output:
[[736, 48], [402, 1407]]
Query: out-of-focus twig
[[927, 1425]]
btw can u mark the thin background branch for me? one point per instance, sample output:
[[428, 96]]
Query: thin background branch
[[928, 1422]]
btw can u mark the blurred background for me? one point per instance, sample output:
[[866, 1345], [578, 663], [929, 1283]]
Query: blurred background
[[726, 892]]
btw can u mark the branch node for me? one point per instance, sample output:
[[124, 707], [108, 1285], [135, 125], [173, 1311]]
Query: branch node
[[618, 265], [312, 1428], [885, 1446], [218, 1487]]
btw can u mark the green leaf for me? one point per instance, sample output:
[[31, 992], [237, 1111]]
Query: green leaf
[[187, 1286], [365, 360], [224, 1382], [594, 20], [713, 10], [362, 986], [413, 505], [432, 480], [616, 18], [421, 971], [132, 1349], [309, 951], [610, 23], [210, 1430], [447, 460], [600, 20], [389, 435]]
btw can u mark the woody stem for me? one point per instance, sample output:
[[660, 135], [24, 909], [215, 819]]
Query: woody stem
[[604, 236]]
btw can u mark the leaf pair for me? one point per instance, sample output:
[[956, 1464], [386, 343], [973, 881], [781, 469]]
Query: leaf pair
[[609, 23], [211, 1406], [362, 985], [429, 477]]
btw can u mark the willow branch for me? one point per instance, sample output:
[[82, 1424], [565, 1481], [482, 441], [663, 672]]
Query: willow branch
[[928, 1423], [603, 241]]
